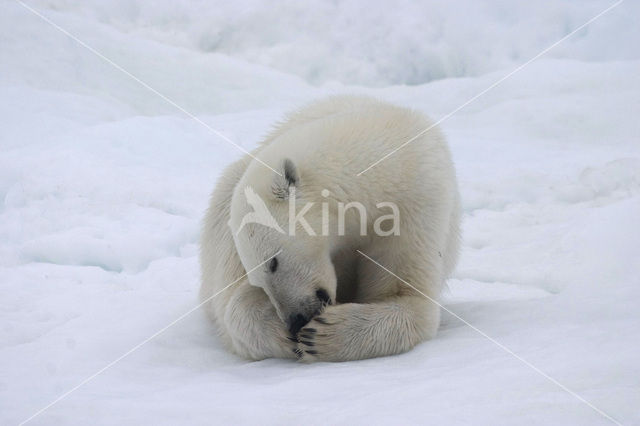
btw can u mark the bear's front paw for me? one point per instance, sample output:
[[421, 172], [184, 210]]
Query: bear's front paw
[[329, 336], [289, 344]]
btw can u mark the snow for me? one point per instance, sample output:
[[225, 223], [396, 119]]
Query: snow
[[103, 185]]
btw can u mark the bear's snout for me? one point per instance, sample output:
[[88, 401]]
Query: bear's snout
[[298, 320], [323, 296], [295, 322]]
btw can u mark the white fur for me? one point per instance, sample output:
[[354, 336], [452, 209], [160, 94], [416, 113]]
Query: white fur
[[329, 142]]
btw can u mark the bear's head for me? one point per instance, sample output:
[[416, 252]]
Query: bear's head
[[295, 269]]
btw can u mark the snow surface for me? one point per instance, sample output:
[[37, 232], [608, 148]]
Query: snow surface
[[103, 185]]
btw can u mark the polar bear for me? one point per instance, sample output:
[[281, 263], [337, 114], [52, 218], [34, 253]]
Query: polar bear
[[349, 260]]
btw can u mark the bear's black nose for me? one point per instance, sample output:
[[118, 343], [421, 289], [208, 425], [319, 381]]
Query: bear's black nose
[[323, 296], [296, 322]]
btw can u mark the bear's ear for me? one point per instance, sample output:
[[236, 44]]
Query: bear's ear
[[287, 178]]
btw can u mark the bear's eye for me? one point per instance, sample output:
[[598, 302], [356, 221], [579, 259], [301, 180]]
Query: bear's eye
[[273, 265]]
